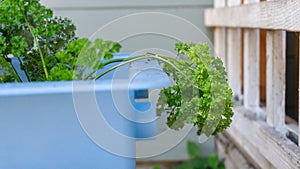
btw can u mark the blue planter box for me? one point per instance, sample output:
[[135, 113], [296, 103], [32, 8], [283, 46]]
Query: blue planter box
[[58, 125]]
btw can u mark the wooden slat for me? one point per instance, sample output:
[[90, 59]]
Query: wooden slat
[[234, 56], [275, 14], [220, 44], [261, 141], [251, 1], [231, 154], [220, 36], [234, 2], [276, 58], [234, 60], [252, 153], [251, 65], [235, 160], [219, 3], [251, 68]]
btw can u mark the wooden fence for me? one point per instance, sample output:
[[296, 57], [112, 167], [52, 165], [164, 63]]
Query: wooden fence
[[259, 131]]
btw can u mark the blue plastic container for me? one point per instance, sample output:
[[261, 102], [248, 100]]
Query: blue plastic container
[[51, 125]]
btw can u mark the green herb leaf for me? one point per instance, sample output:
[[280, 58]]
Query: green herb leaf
[[201, 95], [213, 161], [29, 30], [193, 149]]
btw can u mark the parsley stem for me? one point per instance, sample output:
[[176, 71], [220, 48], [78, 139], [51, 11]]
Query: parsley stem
[[114, 60], [104, 64], [135, 58], [38, 46], [125, 61], [148, 55]]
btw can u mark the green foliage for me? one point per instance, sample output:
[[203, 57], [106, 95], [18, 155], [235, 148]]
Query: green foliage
[[198, 162], [156, 166], [193, 150], [47, 44], [9, 73], [29, 30], [201, 95], [48, 50], [82, 58]]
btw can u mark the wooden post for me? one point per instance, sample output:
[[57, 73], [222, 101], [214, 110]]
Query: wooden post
[[251, 65], [220, 36], [276, 58], [234, 56]]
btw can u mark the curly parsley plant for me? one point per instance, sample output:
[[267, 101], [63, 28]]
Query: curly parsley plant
[[47, 49]]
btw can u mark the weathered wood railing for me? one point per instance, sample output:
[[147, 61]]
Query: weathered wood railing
[[259, 132]]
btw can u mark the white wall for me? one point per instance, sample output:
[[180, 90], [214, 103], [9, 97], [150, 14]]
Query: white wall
[[90, 15]]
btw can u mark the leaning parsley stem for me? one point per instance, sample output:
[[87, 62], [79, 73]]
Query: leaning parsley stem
[[132, 59], [167, 59], [125, 61], [148, 55], [114, 60], [38, 46], [104, 64]]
